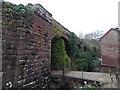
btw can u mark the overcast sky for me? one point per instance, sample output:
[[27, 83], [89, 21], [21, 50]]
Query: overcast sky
[[81, 15]]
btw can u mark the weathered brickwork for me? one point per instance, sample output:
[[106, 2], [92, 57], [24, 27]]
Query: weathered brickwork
[[0, 46], [26, 51], [118, 49], [109, 51]]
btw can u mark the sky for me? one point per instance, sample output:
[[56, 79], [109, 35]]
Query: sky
[[81, 15]]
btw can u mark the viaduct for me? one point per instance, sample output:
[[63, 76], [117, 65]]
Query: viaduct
[[25, 50], [25, 47]]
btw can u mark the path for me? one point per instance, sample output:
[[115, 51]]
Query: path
[[93, 76]]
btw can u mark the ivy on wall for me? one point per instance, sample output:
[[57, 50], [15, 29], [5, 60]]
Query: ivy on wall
[[59, 55], [72, 49], [71, 46], [18, 10], [57, 29], [81, 59], [21, 16]]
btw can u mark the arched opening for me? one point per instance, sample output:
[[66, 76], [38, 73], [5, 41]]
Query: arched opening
[[59, 58]]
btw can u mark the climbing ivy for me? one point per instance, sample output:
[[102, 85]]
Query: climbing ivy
[[72, 49], [71, 46], [59, 55], [17, 15], [57, 29], [80, 59], [18, 10]]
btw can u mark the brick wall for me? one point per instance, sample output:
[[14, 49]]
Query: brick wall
[[109, 51], [26, 51], [0, 46], [119, 49]]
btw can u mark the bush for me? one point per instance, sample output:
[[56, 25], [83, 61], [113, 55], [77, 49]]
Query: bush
[[85, 60], [59, 55]]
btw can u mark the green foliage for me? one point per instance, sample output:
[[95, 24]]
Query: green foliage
[[79, 59], [73, 88], [17, 15], [18, 10], [71, 46], [89, 87], [85, 59], [82, 64], [6, 3], [59, 56], [57, 29], [72, 49]]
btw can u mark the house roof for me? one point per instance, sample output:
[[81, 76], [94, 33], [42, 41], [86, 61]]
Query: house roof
[[112, 29]]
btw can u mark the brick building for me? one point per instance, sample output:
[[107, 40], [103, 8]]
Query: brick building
[[109, 43]]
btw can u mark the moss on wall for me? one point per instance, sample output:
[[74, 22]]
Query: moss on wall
[[57, 29], [18, 10]]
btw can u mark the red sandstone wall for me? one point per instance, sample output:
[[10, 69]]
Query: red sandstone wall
[[109, 51], [119, 49], [26, 52], [0, 46]]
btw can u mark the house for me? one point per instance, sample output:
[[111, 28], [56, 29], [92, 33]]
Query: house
[[110, 47]]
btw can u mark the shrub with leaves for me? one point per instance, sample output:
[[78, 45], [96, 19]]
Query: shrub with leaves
[[85, 60], [59, 55]]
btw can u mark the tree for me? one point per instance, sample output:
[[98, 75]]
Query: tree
[[59, 56], [85, 59], [94, 35]]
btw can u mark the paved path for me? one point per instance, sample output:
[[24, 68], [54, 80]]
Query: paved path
[[93, 76]]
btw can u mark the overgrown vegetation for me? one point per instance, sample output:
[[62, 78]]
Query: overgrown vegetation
[[62, 53], [81, 58], [72, 49], [59, 55], [17, 16], [57, 29], [71, 46], [18, 10], [85, 60]]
